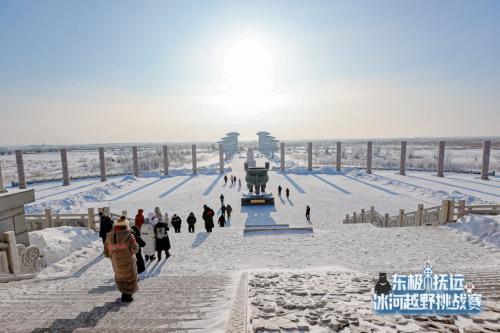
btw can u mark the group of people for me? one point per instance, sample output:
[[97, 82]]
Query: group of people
[[287, 191], [125, 244], [233, 180]]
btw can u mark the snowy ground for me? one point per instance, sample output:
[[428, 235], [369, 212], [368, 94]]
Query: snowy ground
[[333, 246], [331, 195]]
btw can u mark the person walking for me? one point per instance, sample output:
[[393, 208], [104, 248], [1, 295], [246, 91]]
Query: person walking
[[308, 213], [221, 199], [176, 223], [148, 235], [191, 221], [225, 179], [222, 221], [229, 209], [279, 190], [139, 219], [158, 214], [162, 242], [121, 247], [105, 226], [223, 209], [140, 260], [208, 217], [287, 191]]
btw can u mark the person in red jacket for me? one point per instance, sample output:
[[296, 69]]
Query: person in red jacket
[[139, 219]]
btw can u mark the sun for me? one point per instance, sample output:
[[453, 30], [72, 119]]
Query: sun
[[249, 76]]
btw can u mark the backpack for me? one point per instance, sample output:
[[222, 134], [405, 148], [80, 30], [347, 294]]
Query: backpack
[[161, 232]]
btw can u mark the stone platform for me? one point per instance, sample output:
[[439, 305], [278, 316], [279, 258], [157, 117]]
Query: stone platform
[[257, 199]]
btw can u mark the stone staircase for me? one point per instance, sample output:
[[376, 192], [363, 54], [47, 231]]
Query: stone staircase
[[163, 304], [487, 283]]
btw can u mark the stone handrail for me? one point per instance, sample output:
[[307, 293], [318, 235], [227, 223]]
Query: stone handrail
[[18, 261], [447, 212]]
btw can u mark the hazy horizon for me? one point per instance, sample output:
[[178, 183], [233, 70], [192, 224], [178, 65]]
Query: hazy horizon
[[156, 71]]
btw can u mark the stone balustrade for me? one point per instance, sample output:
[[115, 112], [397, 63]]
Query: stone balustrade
[[447, 212]]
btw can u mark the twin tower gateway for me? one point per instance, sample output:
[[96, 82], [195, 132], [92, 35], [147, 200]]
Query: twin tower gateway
[[256, 179]]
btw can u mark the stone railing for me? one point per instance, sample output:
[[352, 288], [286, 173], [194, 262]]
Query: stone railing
[[17, 261], [448, 211], [86, 220]]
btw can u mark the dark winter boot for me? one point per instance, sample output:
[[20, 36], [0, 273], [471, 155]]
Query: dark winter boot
[[127, 298]]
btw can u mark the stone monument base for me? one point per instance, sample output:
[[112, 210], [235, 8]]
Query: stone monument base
[[251, 199]]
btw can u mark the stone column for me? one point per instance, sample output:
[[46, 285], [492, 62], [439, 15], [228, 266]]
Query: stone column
[[102, 164], [135, 161], [369, 156], [402, 160], [193, 154], [64, 163], [309, 156], [221, 158], [20, 169], [486, 160], [440, 169], [282, 156], [165, 160], [2, 189], [339, 155]]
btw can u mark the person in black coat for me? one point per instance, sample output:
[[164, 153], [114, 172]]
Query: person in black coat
[[105, 226], [191, 220], [222, 221], [225, 179], [140, 260], [176, 223], [308, 213], [287, 191], [208, 217], [229, 209], [162, 243], [223, 210], [279, 190], [221, 199]]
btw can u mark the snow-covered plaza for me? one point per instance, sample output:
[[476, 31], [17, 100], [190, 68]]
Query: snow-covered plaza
[[209, 279]]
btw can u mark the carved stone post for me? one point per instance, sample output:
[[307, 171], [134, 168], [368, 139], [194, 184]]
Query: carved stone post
[[221, 158], [369, 155], [440, 170], [193, 155], [282, 156], [14, 262], [2, 189], [461, 208], [91, 218], [48, 219], [401, 217], [64, 163], [419, 215], [372, 214], [339, 155], [102, 164], [165, 160], [20, 169], [486, 160], [363, 216], [402, 160], [444, 211], [309, 156], [135, 161], [386, 220]]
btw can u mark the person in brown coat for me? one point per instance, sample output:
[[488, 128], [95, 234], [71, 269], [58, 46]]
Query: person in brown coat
[[121, 247], [139, 219]]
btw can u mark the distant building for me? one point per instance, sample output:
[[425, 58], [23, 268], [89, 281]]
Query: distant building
[[267, 144], [230, 142]]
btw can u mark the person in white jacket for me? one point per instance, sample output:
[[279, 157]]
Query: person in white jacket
[[148, 235]]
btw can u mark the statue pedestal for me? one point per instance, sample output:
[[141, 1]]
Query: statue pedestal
[[252, 199]]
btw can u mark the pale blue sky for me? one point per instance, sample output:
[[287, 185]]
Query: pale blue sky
[[122, 71]]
